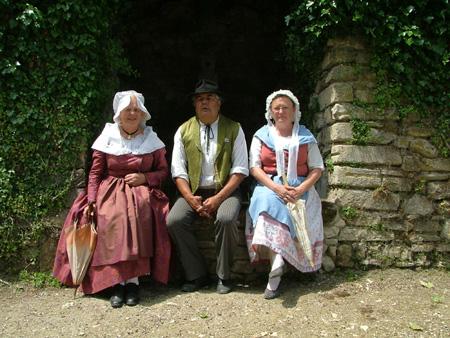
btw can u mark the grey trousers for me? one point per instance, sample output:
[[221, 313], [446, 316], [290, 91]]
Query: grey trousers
[[181, 229]]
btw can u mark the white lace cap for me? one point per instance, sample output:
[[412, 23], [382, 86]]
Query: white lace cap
[[289, 94], [123, 99]]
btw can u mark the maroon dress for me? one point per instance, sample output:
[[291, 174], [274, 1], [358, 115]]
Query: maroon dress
[[131, 222]]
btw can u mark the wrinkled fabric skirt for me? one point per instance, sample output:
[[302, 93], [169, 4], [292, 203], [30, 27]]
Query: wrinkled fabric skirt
[[265, 233], [132, 236]]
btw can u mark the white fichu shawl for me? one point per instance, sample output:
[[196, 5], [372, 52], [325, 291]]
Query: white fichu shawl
[[111, 141], [294, 142]]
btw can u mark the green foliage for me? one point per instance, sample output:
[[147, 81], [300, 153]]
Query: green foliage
[[349, 213], [437, 299], [329, 164], [39, 279], [420, 186], [360, 132], [379, 227], [409, 40], [57, 66]]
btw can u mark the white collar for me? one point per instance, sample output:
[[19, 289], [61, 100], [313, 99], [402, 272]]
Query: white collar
[[111, 141]]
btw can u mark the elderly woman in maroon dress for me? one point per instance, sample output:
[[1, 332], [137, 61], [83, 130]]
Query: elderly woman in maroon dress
[[128, 167]]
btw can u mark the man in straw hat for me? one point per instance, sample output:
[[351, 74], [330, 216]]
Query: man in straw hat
[[209, 161]]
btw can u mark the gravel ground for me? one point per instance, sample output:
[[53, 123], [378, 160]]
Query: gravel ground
[[376, 303]]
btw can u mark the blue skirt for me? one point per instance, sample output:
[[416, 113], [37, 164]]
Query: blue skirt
[[265, 200]]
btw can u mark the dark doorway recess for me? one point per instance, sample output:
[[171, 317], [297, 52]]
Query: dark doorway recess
[[172, 44]]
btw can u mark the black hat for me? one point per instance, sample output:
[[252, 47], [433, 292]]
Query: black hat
[[206, 86]]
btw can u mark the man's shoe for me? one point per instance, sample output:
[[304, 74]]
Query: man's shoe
[[271, 294], [195, 284], [224, 286], [131, 294], [117, 297]]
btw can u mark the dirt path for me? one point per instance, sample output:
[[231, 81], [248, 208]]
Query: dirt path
[[378, 303]]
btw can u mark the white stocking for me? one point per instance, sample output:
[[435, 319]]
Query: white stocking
[[276, 271]]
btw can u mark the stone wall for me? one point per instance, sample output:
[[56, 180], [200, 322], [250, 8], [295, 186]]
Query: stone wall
[[386, 202]]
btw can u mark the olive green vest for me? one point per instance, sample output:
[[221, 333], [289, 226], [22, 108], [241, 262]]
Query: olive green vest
[[190, 135]]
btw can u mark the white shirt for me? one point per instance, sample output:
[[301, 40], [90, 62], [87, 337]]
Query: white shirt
[[239, 157], [314, 158]]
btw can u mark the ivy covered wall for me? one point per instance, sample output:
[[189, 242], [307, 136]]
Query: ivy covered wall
[[58, 64]]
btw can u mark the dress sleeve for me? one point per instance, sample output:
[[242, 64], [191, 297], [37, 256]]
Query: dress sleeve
[[255, 153], [314, 158], [96, 174], [160, 170]]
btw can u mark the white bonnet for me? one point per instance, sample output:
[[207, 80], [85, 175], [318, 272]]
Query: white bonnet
[[123, 99], [282, 92]]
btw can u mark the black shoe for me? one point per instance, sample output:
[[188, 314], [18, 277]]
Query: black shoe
[[118, 295], [195, 284], [224, 286], [271, 294], [131, 294]]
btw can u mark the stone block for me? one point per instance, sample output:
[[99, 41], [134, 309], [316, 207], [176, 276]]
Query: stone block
[[419, 131], [443, 247], [438, 190], [424, 148], [364, 95], [335, 93], [378, 136], [331, 241], [341, 73], [348, 42], [427, 224], [344, 255], [329, 212], [362, 234], [426, 247], [423, 237], [359, 250], [434, 176], [330, 232], [369, 155], [411, 163], [402, 142], [445, 233], [437, 164], [365, 199], [397, 183], [354, 177], [319, 121], [340, 132], [241, 253], [323, 137], [338, 56], [404, 264], [332, 251], [328, 264], [443, 208], [242, 267], [418, 205]]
